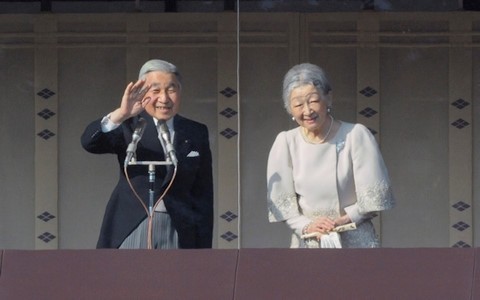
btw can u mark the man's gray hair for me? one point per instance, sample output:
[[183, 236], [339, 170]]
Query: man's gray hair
[[159, 65], [304, 74]]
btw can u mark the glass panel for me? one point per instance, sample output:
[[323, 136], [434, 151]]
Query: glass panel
[[233, 55], [413, 82]]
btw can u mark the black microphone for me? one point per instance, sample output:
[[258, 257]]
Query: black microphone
[[165, 133], [137, 135]]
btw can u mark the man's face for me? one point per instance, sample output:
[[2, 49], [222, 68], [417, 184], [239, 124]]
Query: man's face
[[164, 94]]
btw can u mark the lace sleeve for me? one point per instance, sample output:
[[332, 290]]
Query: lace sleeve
[[282, 199], [373, 188]]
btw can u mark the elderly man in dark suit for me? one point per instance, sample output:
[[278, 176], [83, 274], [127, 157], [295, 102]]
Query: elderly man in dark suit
[[182, 214]]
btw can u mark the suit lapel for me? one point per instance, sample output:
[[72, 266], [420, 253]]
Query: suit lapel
[[182, 141]]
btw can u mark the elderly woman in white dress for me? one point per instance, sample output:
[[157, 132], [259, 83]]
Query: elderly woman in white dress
[[325, 174]]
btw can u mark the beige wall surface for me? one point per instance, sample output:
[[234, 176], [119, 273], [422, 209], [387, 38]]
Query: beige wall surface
[[423, 68], [17, 178]]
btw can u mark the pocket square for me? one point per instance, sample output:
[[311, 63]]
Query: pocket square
[[193, 154]]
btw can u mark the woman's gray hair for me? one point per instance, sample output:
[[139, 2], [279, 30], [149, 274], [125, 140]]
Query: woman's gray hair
[[159, 65], [304, 74]]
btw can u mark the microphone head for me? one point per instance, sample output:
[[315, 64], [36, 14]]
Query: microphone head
[[136, 136], [163, 126], [141, 124], [165, 132], [139, 129]]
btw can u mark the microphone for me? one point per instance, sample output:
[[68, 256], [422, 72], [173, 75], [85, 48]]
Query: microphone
[[165, 133], [137, 135]]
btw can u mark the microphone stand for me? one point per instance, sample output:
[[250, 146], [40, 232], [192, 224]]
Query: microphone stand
[[151, 191]]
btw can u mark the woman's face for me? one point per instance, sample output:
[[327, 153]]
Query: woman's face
[[309, 107]]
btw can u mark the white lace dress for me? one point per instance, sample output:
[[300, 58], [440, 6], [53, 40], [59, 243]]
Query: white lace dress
[[346, 175]]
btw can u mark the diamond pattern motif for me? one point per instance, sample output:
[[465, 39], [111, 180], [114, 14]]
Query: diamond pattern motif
[[228, 112], [368, 112], [46, 216], [461, 226], [461, 206], [46, 237], [368, 91], [45, 93], [46, 114], [373, 131], [228, 92], [46, 134], [228, 133], [460, 123], [229, 236], [229, 216], [460, 103], [461, 244]]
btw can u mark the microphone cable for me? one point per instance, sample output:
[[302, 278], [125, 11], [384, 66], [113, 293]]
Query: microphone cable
[[149, 215]]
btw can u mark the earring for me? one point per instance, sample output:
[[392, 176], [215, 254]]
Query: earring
[[329, 109], [293, 118]]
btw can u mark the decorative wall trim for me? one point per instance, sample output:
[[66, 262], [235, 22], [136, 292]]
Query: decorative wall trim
[[228, 206], [46, 136], [460, 135], [368, 85]]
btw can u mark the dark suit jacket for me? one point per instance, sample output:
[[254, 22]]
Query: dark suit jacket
[[190, 199]]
